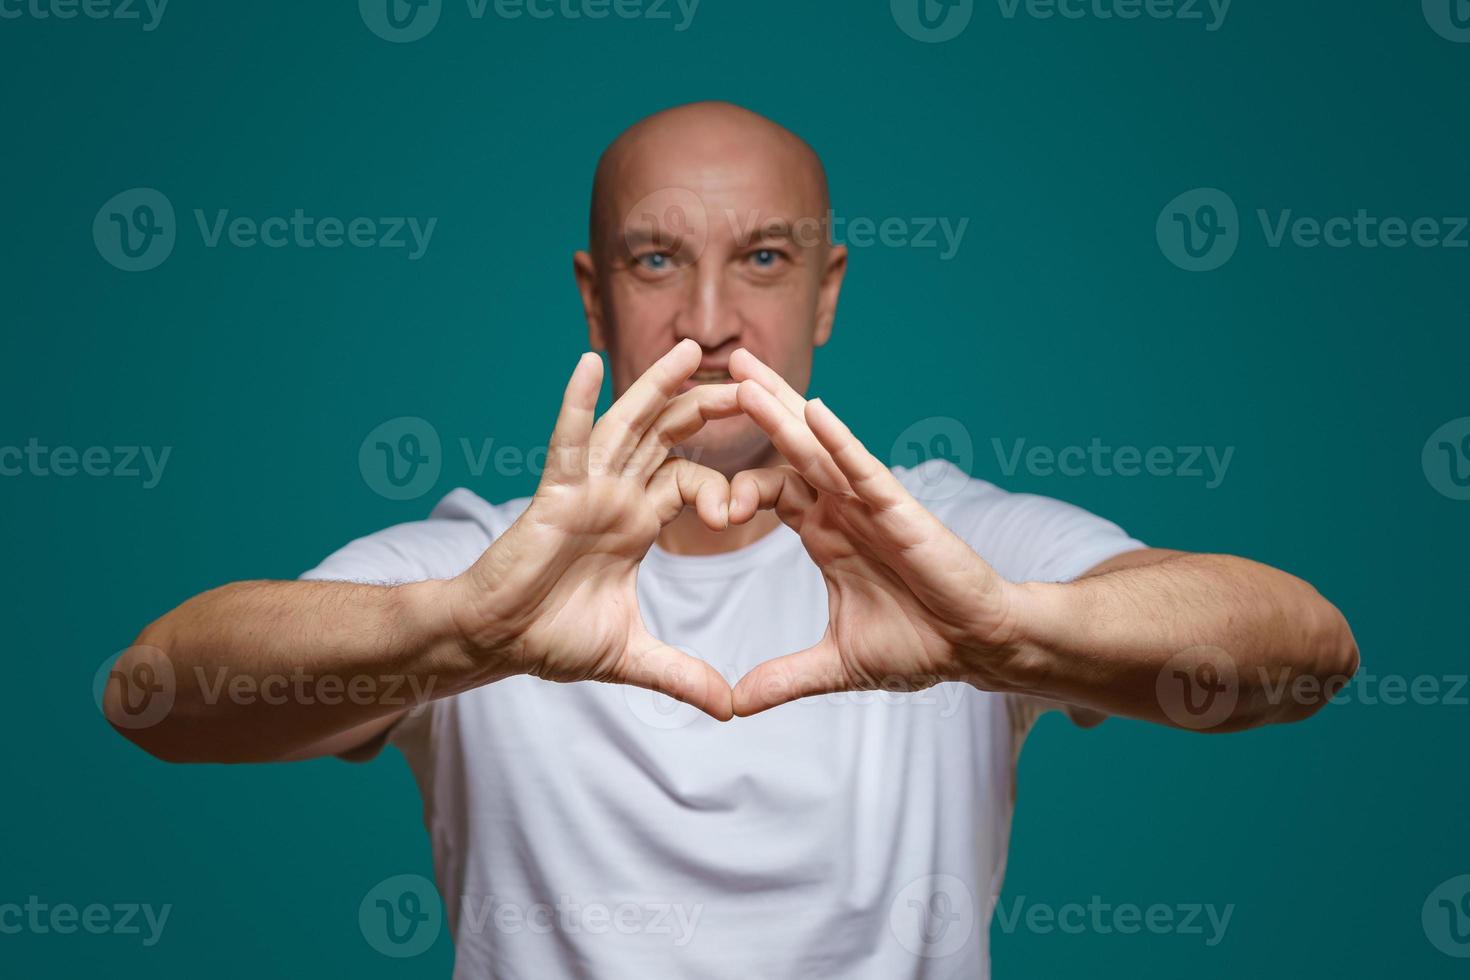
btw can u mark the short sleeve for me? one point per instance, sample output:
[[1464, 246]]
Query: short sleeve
[[413, 552], [1025, 537], [1049, 540], [438, 548]]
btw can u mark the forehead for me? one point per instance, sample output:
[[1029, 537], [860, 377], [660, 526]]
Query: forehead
[[716, 178]]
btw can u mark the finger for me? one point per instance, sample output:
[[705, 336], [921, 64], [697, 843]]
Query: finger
[[745, 366], [567, 451], [791, 437], [815, 670], [662, 668], [873, 482], [681, 418], [617, 433], [778, 488], [679, 482]]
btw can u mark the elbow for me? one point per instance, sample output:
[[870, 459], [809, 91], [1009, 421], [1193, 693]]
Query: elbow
[[1337, 658], [149, 697], [1302, 657], [1329, 660], [1347, 655], [142, 701], [139, 696]]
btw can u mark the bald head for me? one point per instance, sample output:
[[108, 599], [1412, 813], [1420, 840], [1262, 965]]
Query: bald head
[[705, 146]]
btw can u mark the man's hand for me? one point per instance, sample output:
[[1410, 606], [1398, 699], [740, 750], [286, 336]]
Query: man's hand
[[555, 595], [909, 603]]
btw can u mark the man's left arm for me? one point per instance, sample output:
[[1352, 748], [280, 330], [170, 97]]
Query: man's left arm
[[1206, 642]]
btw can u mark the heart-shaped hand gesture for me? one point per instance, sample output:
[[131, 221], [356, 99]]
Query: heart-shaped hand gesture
[[910, 604]]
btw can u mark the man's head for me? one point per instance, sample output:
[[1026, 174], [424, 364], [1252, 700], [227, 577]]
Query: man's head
[[710, 222]]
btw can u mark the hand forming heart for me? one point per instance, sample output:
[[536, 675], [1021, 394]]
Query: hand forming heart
[[909, 603]]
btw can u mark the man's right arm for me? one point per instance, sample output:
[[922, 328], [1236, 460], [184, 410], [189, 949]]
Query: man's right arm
[[270, 671], [273, 671]]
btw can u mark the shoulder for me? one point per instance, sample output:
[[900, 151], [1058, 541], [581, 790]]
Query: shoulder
[[456, 532], [1024, 536]]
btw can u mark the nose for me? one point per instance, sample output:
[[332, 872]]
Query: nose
[[707, 315]]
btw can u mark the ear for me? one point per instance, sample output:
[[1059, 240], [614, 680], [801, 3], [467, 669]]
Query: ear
[[585, 270], [827, 292]]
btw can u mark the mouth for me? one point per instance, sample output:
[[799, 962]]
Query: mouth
[[706, 376]]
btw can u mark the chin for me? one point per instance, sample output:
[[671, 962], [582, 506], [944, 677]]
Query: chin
[[729, 446]]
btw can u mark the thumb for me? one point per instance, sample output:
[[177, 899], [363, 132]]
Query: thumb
[[816, 670], [656, 666]]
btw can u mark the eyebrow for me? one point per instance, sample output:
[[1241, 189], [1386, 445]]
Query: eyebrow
[[783, 230], [643, 235], [775, 229]]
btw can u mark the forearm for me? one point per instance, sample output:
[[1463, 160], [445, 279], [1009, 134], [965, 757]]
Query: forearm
[[261, 670], [1272, 648]]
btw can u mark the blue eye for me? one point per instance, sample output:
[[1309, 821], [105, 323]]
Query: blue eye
[[656, 261], [765, 257]]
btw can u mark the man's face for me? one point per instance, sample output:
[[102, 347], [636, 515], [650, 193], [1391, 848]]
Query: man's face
[[720, 237]]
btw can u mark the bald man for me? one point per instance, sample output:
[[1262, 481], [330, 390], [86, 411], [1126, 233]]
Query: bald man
[[716, 526]]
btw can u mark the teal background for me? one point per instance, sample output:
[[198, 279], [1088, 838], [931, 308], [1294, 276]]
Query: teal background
[[1059, 320]]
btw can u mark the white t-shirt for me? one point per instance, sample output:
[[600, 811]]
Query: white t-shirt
[[592, 830]]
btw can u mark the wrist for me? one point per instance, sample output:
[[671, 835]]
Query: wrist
[[1020, 655], [482, 636], [433, 612]]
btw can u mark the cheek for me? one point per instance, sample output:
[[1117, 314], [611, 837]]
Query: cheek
[[640, 319], [779, 329], [788, 305], [642, 307]]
